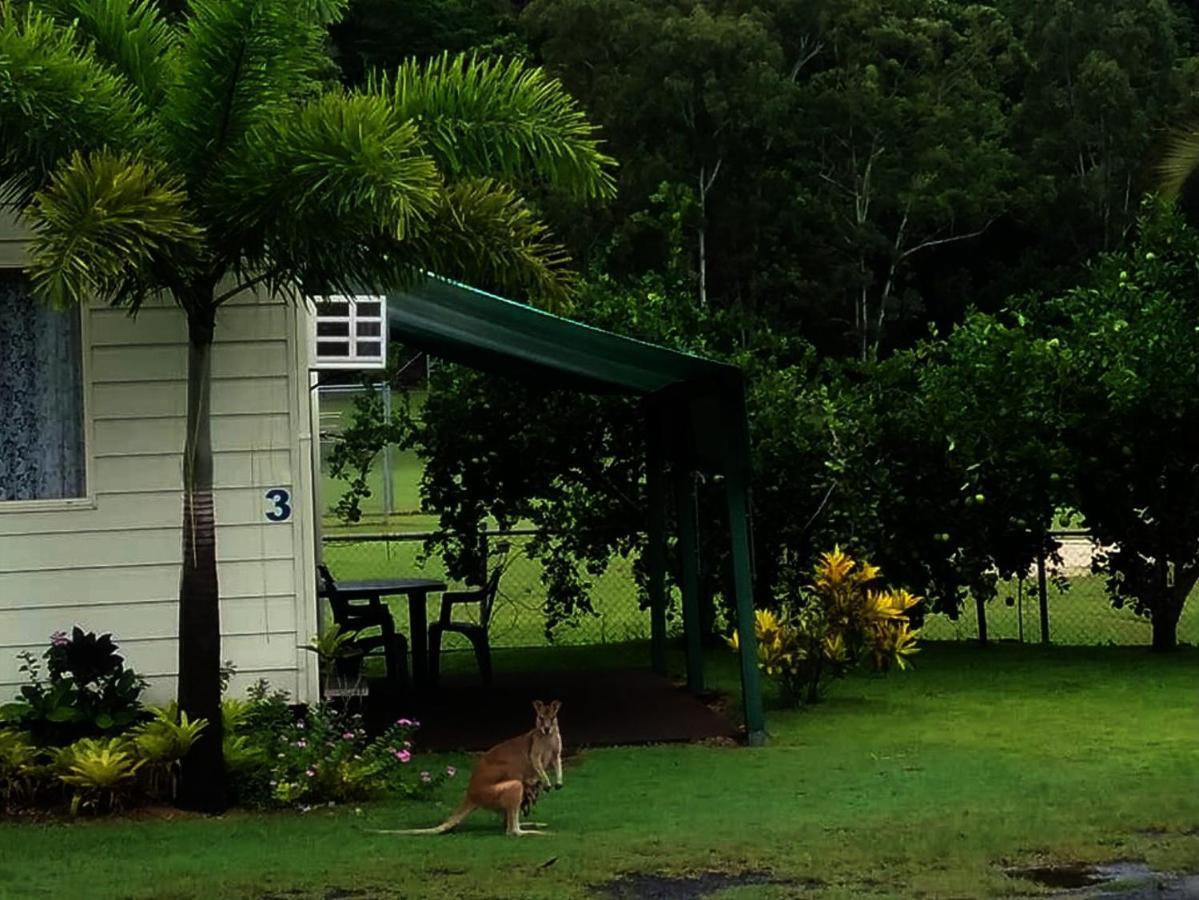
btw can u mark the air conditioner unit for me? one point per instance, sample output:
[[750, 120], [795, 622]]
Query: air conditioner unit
[[351, 332]]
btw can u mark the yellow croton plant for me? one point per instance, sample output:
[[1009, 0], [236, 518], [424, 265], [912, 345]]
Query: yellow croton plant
[[844, 618]]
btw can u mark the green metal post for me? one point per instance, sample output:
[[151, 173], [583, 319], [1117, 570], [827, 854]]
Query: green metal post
[[656, 544], [737, 493], [684, 492]]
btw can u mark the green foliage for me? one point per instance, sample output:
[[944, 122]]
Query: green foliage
[[321, 756], [501, 118], [100, 771], [379, 35], [131, 36], [161, 744], [1130, 339], [839, 621], [21, 774], [55, 101], [88, 690], [101, 221]]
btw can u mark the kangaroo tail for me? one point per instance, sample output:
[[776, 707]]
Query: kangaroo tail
[[449, 824]]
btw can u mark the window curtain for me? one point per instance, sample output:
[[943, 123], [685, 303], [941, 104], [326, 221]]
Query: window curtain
[[41, 396]]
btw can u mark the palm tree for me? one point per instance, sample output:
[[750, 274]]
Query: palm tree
[[200, 158]]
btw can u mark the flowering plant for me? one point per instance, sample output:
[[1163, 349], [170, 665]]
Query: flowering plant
[[841, 620], [326, 756]]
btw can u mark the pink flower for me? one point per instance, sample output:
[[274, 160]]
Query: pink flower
[[451, 771], [301, 743], [311, 773], [348, 736], [403, 756], [59, 639], [404, 723]]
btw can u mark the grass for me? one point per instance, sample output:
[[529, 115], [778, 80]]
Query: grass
[[923, 784]]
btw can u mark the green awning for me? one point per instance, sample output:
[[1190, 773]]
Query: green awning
[[695, 419], [487, 332]]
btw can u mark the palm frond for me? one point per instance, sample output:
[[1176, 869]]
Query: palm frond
[[502, 119], [338, 171], [56, 98], [131, 36], [486, 234], [1179, 163], [242, 62], [104, 226]]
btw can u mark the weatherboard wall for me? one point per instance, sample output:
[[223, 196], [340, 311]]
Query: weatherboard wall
[[111, 561]]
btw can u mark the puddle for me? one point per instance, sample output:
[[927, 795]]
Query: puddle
[[1122, 880], [688, 887]]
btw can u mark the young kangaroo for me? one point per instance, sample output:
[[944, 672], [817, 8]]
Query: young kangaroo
[[498, 779]]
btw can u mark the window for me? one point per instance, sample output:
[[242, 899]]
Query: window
[[41, 396], [351, 332]]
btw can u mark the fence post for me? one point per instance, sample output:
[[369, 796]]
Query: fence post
[[1043, 596], [484, 554], [388, 488], [981, 610]]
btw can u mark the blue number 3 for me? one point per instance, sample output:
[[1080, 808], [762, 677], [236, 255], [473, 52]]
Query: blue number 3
[[282, 501]]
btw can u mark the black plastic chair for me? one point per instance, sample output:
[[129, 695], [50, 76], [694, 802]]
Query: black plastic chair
[[353, 615], [475, 632]]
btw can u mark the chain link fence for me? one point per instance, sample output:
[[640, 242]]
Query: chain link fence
[[1060, 601], [1069, 605], [518, 618]]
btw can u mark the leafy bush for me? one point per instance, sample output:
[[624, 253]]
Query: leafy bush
[[20, 772], [275, 757], [88, 691], [840, 621], [100, 771], [326, 756], [161, 744]]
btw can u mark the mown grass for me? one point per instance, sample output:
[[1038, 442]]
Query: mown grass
[[923, 784]]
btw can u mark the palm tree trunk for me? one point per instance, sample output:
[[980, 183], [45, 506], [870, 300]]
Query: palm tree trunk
[[202, 782]]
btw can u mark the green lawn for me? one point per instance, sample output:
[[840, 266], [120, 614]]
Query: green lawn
[[924, 784]]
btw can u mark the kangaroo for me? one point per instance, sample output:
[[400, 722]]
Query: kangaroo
[[498, 779], [552, 753]]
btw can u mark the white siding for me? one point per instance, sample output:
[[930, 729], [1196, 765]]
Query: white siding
[[113, 564]]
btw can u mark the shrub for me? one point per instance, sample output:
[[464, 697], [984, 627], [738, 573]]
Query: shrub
[[838, 622], [100, 771], [276, 757], [327, 757], [20, 772], [161, 744], [88, 691]]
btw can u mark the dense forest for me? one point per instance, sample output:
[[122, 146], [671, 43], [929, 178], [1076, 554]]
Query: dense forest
[[924, 227]]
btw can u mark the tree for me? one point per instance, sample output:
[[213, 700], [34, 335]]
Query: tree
[[1131, 339], [906, 147], [1105, 79], [715, 88], [200, 160]]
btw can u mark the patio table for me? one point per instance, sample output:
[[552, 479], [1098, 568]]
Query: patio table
[[417, 591]]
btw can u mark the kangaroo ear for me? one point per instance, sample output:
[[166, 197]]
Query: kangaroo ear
[[555, 705], [538, 707]]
